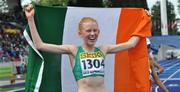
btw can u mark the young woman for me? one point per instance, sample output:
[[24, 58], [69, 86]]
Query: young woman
[[87, 60], [155, 77], [151, 57], [153, 74]]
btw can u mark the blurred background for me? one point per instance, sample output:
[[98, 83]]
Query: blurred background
[[165, 40]]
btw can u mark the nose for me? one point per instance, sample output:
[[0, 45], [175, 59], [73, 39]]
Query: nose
[[92, 32]]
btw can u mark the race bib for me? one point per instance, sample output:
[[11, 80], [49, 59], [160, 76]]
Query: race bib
[[91, 66]]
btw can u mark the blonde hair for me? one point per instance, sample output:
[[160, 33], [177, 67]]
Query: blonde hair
[[86, 19]]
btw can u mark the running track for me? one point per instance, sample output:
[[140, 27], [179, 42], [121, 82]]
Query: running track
[[171, 76]]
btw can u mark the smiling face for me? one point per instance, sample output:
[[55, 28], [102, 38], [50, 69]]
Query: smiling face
[[88, 31]]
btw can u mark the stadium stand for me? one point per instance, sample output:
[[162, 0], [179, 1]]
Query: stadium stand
[[166, 47], [165, 40], [13, 46]]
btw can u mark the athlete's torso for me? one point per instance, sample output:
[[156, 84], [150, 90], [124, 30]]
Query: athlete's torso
[[88, 69], [88, 64]]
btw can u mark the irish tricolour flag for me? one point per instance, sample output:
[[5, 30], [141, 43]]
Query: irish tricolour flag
[[126, 71]]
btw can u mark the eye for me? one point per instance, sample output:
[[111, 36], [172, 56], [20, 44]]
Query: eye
[[89, 30], [92, 30], [96, 30]]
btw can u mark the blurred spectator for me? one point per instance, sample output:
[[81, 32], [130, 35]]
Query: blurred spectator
[[14, 72], [12, 42], [17, 17]]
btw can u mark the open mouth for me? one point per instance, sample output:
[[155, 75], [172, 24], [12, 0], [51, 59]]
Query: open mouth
[[92, 39]]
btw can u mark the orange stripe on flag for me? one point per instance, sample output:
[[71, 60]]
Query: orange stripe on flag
[[131, 66]]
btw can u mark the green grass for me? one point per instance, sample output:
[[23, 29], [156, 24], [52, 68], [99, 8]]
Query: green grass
[[9, 89], [5, 71]]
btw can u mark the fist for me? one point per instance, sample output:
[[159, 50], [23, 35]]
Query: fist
[[29, 11]]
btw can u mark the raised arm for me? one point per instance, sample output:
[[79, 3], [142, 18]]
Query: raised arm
[[39, 44], [132, 42]]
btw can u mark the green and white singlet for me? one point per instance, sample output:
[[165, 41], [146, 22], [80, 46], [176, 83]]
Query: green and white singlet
[[88, 63]]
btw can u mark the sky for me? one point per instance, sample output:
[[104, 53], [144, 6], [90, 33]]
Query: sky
[[152, 2]]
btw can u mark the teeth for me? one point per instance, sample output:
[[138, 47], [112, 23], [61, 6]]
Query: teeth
[[91, 38]]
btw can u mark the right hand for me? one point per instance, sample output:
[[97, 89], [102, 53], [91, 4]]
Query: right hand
[[29, 11]]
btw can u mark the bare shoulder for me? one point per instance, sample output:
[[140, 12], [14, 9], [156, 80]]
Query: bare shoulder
[[104, 48], [72, 48]]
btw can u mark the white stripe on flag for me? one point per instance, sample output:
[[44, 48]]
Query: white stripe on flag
[[107, 19], [39, 79]]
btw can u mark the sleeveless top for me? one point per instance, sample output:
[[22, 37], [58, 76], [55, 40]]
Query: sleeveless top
[[88, 63]]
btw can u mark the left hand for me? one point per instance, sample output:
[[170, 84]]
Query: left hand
[[147, 12]]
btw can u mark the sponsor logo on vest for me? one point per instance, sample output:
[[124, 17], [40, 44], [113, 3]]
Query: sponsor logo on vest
[[91, 55]]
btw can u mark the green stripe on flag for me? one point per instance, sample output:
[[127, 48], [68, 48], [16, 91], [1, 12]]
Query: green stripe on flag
[[50, 25]]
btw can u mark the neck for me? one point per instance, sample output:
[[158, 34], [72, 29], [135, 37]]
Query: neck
[[88, 48]]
